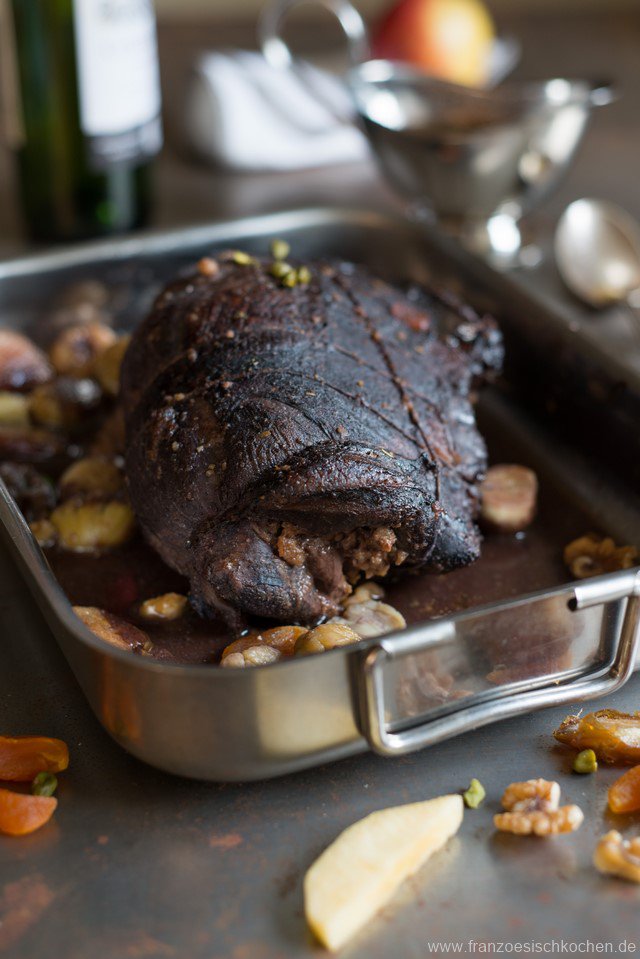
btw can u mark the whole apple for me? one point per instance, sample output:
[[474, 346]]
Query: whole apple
[[450, 39]]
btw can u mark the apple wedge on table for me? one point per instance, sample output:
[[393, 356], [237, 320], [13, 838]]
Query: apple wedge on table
[[359, 872]]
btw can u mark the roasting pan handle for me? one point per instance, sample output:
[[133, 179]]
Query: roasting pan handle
[[509, 700]]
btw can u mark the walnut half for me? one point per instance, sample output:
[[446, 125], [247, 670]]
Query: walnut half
[[533, 808], [616, 856], [592, 555]]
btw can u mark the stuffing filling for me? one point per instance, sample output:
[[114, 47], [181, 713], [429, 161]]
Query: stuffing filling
[[366, 553]]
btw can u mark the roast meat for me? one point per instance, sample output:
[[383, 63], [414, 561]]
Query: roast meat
[[284, 442]]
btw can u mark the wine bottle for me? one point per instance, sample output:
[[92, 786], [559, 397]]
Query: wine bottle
[[86, 119]]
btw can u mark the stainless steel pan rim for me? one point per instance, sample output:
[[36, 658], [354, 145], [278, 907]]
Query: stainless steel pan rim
[[157, 241], [224, 232]]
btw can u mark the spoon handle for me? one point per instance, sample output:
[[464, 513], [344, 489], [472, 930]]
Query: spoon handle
[[633, 302]]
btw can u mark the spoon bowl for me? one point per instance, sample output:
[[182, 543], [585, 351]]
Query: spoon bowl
[[597, 251]]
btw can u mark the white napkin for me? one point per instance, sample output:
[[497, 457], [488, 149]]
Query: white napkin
[[244, 114]]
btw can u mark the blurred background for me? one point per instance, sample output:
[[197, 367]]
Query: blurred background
[[369, 8], [575, 38]]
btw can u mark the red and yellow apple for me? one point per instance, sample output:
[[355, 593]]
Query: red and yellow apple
[[450, 39]]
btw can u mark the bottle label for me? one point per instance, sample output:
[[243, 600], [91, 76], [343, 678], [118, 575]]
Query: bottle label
[[118, 82]]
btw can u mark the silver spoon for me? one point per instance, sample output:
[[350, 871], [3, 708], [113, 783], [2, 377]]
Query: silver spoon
[[597, 251]]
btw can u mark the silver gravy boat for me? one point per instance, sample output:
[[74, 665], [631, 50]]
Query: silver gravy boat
[[474, 160]]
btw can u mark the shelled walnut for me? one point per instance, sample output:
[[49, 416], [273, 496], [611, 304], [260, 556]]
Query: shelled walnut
[[592, 555], [618, 857], [533, 808]]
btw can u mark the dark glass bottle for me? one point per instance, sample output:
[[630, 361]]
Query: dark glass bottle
[[87, 114]]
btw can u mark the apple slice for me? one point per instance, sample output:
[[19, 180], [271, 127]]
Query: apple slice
[[360, 871]]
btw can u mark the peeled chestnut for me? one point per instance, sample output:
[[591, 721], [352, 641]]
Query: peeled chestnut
[[22, 364], [26, 444], [65, 403], [32, 491], [74, 351], [509, 496]]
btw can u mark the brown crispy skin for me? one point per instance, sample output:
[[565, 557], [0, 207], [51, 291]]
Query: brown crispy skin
[[332, 406]]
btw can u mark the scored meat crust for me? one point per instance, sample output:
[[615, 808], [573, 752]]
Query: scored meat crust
[[283, 442]]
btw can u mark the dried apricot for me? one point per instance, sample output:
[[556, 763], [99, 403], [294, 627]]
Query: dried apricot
[[21, 813], [624, 795], [613, 736], [23, 757]]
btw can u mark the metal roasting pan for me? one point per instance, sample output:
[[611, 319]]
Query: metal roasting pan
[[238, 725]]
